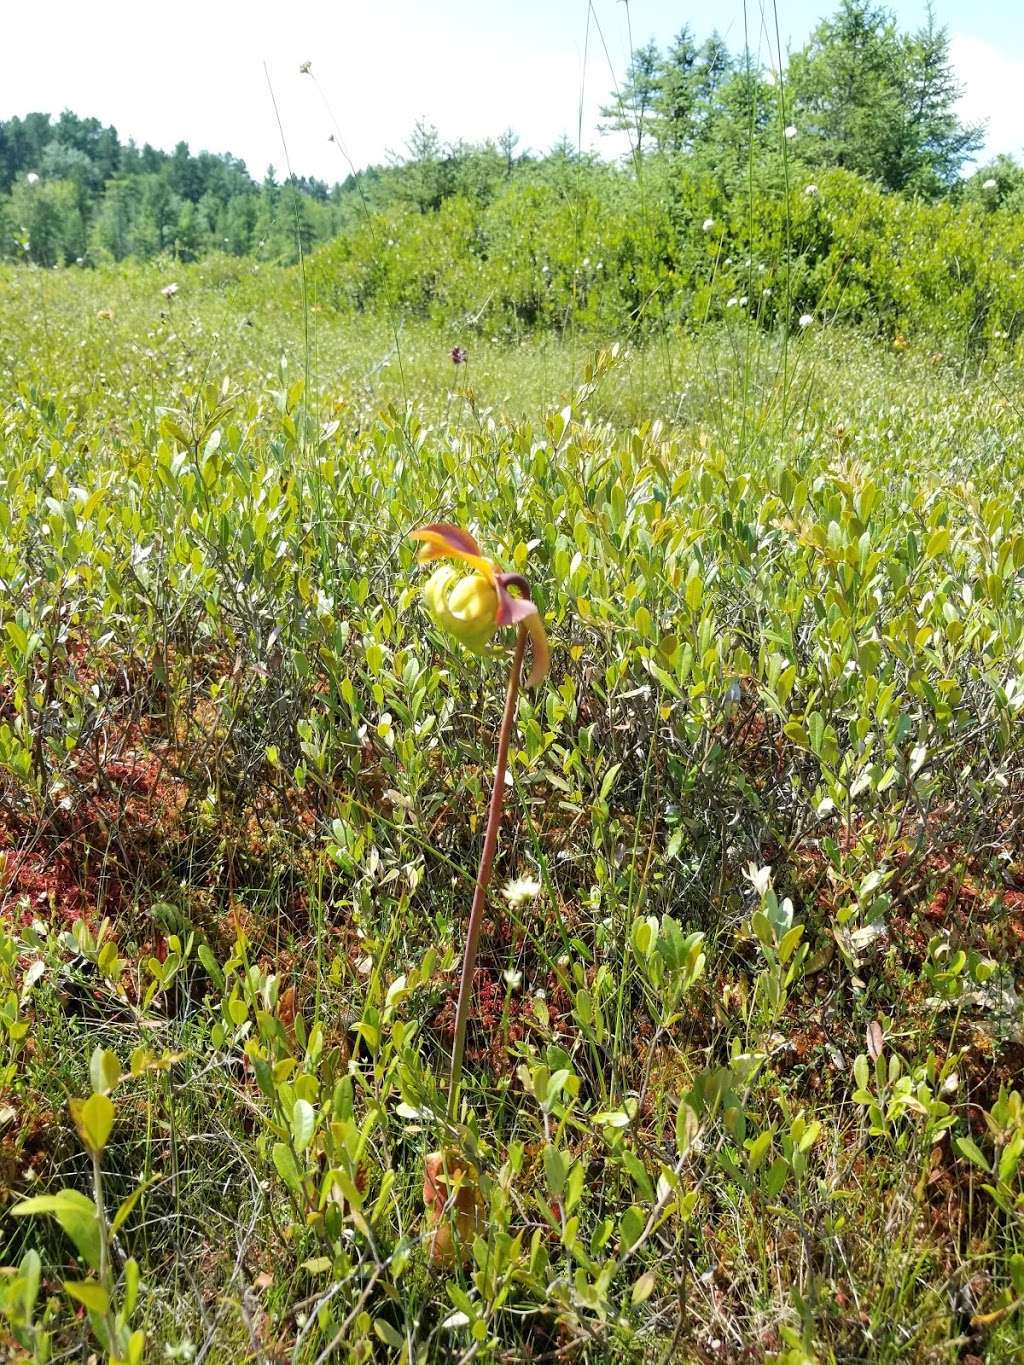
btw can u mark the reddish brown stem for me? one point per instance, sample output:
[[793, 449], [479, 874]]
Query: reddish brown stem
[[483, 876]]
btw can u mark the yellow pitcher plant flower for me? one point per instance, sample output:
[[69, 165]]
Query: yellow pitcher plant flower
[[473, 607]]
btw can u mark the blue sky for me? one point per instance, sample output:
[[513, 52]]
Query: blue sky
[[195, 70]]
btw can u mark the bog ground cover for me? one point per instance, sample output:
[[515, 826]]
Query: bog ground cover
[[742, 1071]]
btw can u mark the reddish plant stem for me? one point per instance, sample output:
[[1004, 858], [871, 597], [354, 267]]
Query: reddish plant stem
[[483, 876]]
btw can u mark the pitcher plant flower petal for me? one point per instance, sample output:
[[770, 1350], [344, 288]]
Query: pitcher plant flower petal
[[473, 607]]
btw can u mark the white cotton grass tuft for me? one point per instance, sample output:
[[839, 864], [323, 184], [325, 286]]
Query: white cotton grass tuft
[[811, 190], [708, 224], [31, 178], [990, 184], [790, 131], [521, 890], [169, 290], [806, 319]]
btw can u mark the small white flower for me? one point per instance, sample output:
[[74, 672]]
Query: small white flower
[[169, 290], [990, 184], [760, 878], [521, 891], [806, 319], [766, 292], [743, 301], [32, 178], [731, 303], [709, 223], [810, 189], [790, 132]]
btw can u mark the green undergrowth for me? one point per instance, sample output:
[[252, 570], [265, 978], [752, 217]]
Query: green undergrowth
[[742, 1074]]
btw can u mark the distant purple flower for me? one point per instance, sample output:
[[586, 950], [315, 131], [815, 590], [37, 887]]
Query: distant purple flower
[[459, 355]]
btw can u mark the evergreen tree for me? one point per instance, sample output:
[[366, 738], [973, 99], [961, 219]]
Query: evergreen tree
[[879, 102], [690, 79], [935, 144], [633, 107]]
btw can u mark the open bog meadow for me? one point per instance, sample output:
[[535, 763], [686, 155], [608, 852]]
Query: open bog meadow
[[742, 1067]]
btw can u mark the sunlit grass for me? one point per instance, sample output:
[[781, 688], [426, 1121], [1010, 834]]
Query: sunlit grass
[[783, 592]]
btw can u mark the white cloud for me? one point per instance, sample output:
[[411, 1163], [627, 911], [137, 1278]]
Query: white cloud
[[993, 83]]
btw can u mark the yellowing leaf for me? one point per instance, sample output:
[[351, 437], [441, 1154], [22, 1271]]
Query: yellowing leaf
[[94, 1118], [90, 1293]]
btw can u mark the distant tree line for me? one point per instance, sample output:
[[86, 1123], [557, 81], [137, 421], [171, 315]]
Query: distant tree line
[[860, 96], [71, 190]]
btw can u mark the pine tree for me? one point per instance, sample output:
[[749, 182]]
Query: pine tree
[[879, 102], [689, 82], [632, 109]]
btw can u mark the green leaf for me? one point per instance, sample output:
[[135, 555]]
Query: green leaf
[[89, 1292], [861, 1073], [104, 1070], [31, 1273], [634, 1220], [643, 1288], [759, 1149], [303, 1123], [316, 1265], [76, 1215], [284, 1164], [130, 1289], [775, 1177], [574, 1189], [210, 965], [789, 942], [609, 780], [687, 1127], [556, 1167], [938, 543], [94, 1118], [762, 928], [18, 636], [968, 1148], [794, 730], [388, 1334], [638, 1174]]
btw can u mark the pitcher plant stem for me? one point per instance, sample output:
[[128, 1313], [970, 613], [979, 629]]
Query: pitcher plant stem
[[483, 876]]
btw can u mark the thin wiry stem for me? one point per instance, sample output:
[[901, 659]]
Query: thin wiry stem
[[483, 876]]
